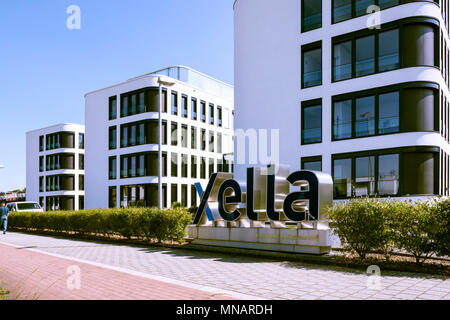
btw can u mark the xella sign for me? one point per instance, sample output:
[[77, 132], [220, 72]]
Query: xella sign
[[266, 195]]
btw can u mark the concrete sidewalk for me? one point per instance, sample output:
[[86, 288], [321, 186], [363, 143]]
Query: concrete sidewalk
[[36, 276]]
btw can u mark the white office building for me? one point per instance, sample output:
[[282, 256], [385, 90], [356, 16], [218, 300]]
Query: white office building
[[131, 162], [55, 167], [363, 97]]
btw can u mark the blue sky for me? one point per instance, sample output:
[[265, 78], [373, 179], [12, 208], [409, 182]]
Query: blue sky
[[45, 68]]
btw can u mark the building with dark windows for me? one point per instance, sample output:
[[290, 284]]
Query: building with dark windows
[[138, 158], [55, 167], [359, 89]]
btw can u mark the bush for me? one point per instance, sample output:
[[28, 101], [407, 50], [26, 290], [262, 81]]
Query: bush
[[361, 225], [141, 223], [440, 232]]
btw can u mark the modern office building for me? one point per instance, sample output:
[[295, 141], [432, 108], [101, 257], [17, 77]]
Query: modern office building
[[366, 102], [132, 162], [55, 167]]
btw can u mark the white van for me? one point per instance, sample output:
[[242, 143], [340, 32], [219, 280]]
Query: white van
[[24, 207]]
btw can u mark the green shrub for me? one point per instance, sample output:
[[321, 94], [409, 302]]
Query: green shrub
[[141, 223], [360, 224], [440, 228]]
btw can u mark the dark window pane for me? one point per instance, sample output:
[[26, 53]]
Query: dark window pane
[[388, 175], [312, 67], [312, 124], [388, 113], [342, 121], [174, 104], [312, 14], [365, 56], [388, 58], [365, 176], [141, 106], [313, 165], [194, 109], [361, 6], [383, 4], [342, 10], [342, 61], [343, 178], [133, 104], [184, 104], [365, 116]]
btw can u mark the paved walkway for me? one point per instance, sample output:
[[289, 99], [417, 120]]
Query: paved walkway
[[120, 271]]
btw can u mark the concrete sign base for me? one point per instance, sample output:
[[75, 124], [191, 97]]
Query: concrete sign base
[[293, 240]]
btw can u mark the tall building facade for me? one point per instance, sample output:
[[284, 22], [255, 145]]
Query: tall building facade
[[55, 167], [358, 89], [137, 158]]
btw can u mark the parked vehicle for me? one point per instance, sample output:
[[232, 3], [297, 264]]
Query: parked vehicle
[[29, 206]]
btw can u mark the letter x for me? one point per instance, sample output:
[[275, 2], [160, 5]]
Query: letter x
[[204, 200]]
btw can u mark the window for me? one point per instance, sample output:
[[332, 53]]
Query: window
[[136, 165], [81, 161], [137, 102], [193, 196], [342, 10], [164, 164], [311, 15], [139, 133], [112, 108], [194, 109], [184, 136], [81, 141], [211, 114], [41, 164], [388, 55], [370, 54], [184, 195], [312, 163], [211, 141], [184, 105], [184, 166], [112, 195], [203, 168], [383, 4], [311, 122], [174, 103], [193, 167], [388, 175], [342, 61], [367, 175], [211, 169], [219, 142], [366, 116], [112, 138], [174, 165], [365, 56], [174, 193], [112, 168], [342, 119], [219, 116], [81, 182], [193, 138], [312, 65], [342, 173], [203, 139], [203, 111], [388, 113], [364, 176], [164, 101], [41, 184], [174, 134], [41, 143], [164, 133], [361, 6]]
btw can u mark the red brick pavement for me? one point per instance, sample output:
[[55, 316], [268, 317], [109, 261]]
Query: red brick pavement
[[30, 275]]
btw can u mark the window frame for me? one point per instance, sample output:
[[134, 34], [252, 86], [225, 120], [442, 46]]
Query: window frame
[[305, 105], [307, 48]]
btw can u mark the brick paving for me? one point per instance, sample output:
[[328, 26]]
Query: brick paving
[[204, 275]]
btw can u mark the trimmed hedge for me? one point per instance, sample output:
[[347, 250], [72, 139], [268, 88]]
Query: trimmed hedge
[[366, 225], [141, 223]]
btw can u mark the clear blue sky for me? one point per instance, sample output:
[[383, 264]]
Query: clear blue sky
[[45, 68]]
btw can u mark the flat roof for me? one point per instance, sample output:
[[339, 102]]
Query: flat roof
[[57, 125]]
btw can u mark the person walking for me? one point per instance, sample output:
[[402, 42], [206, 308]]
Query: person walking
[[4, 213]]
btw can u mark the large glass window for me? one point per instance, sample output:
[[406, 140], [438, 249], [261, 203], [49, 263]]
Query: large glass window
[[174, 134], [383, 4], [184, 136], [211, 141], [311, 14], [342, 10], [112, 108], [365, 176], [174, 165], [312, 124], [193, 138], [365, 116], [343, 178], [41, 143], [112, 168], [112, 138], [203, 139], [342, 119], [184, 166], [203, 111], [388, 175], [365, 56], [312, 67], [174, 103], [194, 109], [388, 113], [342, 61], [312, 164], [184, 105], [361, 6], [211, 114], [193, 167], [388, 51]]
